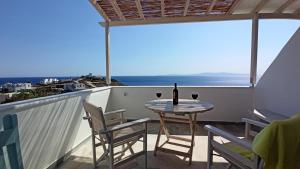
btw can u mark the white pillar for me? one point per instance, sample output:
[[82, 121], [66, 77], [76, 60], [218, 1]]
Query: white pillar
[[107, 48], [254, 44]]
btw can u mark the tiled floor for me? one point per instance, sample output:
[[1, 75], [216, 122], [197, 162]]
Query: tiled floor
[[82, 158]]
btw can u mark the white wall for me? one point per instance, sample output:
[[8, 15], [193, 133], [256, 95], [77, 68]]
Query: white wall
[[278, 90], [231, 103], [50, 127]]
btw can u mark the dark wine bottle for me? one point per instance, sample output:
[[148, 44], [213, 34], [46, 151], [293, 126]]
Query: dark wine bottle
[[175, 95]]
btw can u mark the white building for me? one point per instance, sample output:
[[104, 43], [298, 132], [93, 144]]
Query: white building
[[74, 86], [15, 87], [21, 86], [49, 81]]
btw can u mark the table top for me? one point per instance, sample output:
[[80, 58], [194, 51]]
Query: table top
[[185, 106]]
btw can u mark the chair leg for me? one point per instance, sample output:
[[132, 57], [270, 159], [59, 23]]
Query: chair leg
[[94, 150], [111, 152], [229, 166], [209, 151], [145, 146], [261, 164], [257, 163]]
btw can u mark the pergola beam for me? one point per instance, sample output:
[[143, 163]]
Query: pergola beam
[[254, 45], [284, 6], [186, 7], [99, 9], [211, 7], [140, 9], [162, 8], [259, 6], [167, 20], [233, 6], [117, 9], [278, 16]]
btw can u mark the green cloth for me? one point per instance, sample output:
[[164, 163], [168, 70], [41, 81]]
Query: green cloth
[[278, 144], [239, 150]]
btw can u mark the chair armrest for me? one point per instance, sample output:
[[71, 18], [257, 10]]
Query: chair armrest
[[126, 125], [86, 118], [228, 136], [115, 112], [253, 122]]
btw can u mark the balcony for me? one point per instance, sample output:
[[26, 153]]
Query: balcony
[[52, 129]]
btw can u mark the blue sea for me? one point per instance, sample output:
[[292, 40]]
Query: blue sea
[[241, 80]]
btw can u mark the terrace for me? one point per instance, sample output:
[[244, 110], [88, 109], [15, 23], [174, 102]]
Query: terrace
[[52, 131]]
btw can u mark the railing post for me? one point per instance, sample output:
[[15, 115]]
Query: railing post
[[107, 48], [254, 44]]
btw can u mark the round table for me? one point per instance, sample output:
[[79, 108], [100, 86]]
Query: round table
[[185, 112], [185, 106]]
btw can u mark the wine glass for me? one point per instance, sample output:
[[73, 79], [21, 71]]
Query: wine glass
[[158, 95], [195, 96]]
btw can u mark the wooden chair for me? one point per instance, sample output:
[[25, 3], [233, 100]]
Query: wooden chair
[[111, 129], [237, 152]]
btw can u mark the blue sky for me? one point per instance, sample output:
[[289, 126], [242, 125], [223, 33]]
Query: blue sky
[[63, 38]]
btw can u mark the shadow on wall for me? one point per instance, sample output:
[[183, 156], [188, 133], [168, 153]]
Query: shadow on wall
[[10, 152], [278, 89], [48, 132], [51, 127]]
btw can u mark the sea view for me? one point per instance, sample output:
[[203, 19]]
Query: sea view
[[207, 80], [184, 80]]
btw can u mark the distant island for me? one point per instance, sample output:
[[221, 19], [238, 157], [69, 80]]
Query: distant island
[[11, 92], [215, 74]]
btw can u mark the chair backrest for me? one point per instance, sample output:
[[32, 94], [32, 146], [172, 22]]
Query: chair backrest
[[9, 138], [96, 115]]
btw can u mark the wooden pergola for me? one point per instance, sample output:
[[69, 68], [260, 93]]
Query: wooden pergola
[[142, 12]]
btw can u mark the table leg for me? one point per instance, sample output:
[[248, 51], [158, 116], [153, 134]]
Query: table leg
[[163, 124], [192, 122], [162, 128], [157, 140]]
